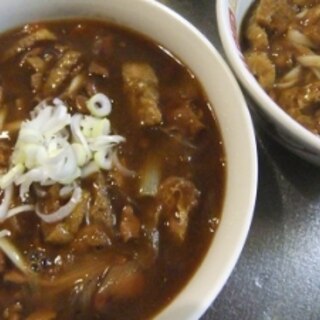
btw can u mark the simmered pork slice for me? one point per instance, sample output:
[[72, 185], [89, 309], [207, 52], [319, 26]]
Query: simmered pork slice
[[15, 277], [98, 69], [42, 314], [61, 71], [283, 57], [300, 98], [274, 15], [28, 42], [36, 81], [101, 209], [304, 2], [185, 119], [2, 262], [4, 153], [104, 46], [141, 87], [256, 35], [311, 12], [265, 11], [312, 32], [80, 105], [91, 236], [311, 24], [38, 65], [122, 281], [177, 197], [302, 103], [129, 225], [13, 311], [262, 68], [65, 231]]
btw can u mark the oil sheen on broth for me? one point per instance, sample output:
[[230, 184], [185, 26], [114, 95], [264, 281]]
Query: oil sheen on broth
[[281, 45], [112, 173]]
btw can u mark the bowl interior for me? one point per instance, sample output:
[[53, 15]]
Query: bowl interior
[[174, 33]]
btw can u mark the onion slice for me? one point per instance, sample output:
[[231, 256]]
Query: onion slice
[[121, 168], [299, 38], [23, 208], [150, 176], [63, 211], [310, 60], [13, 254], [8, 178], [8, 192], [5, 233], [99, 105], [91, 168], [66, 190]]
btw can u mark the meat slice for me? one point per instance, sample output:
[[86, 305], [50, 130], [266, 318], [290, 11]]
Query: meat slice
[[101, 210], [123, 281], [43, 314], [275, 15], [65, 231], [303, 104], [141, 87], [185, 119], [256, 35], [2, 262], [129, 224], [15, 277], [36, 81], [304, 2], [61, 71], [13, 311], [283, 59], [5, 153], [104, 46], [28, 42], [262, 68], [311, 28], [98, 69], [37, 63], [177, 197], [91, 236], [81, 104], [76, 84], [266, 11], [312, 32]]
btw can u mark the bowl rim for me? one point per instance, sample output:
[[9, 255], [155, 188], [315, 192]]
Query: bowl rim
[[261, 98]]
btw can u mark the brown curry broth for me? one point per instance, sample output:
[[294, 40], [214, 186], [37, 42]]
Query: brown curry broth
[[205, 164]]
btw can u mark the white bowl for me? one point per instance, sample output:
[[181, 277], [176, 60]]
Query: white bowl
[[176, 34], [292, 135]]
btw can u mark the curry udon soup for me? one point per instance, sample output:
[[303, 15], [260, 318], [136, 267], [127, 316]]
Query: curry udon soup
[[281, 45], [112, 173]]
